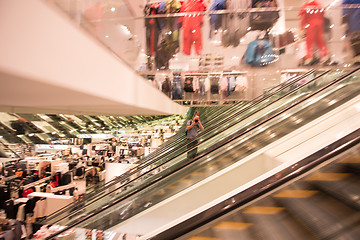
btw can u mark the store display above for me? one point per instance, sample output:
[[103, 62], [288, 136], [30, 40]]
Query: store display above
[[222, 35], [217, 88]]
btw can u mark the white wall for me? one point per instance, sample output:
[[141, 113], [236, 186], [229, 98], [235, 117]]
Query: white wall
[[39, 43]]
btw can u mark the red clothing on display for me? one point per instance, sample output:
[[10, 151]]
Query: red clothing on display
[[152, 23], [27, 192], [312, 19], [191, 25]]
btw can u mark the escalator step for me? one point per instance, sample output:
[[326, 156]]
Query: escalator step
[[263, 210], [350, 159], [273, 223], [328, 177], [233, 225], [295, 194], [321, 214], [203, 238], [346, 190], [233, 230]]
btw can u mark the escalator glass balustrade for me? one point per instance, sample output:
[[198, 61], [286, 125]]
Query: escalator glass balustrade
[[295, 110]]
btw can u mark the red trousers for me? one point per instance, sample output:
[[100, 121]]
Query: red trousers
[[192, 35], [315, 34]]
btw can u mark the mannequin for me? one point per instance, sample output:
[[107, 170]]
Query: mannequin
[[192, 26], [312, 21]]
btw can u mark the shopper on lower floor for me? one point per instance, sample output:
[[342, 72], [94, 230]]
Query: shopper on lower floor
[[192, 127]]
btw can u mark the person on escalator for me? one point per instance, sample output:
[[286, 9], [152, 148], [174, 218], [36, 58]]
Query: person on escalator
[[192, 127]]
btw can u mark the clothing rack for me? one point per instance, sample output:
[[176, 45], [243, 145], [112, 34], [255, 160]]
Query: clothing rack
[[234, 73], [33, 184], [8, 179], [61, 188]]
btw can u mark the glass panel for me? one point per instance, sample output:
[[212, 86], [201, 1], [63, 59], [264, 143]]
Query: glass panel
[[251, 35], [248, 147], [181, 145], [248, 143]]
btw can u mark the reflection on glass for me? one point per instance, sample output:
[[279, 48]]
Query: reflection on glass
[[226, 155], [213, 37], [181, 145]]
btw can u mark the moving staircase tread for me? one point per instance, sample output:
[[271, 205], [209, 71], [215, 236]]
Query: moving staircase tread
[[324, 176], [203, 238], [249, 147], [346, 190], [232, 230], [350, 159], [274, 223], [295, 193], [320, 212], [263, 210], [227, 225]]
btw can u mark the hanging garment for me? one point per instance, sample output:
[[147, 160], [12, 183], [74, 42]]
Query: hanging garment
[[20, 216], [312, 19], [168, 35], [259, 53], [224, 84], [214, 81], [232, 83], [166, 86], [10, 209], [177, 89], [235, 25], [216, 19], [352, 18], [152, 29], [196, 86], [241, 83], [188, 85], [263, 20], [165, 51], [202, 86], [207, 84], [191, 25], [281, 40]]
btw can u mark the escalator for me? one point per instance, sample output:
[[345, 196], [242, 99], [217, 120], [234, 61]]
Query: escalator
[[163, 157], [318, 201], [182, 179], [7, 152], [9, 134]]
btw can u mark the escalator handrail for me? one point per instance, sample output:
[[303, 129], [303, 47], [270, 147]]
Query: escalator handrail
[[260, 189], [126, 175], [221, 144], [90, 215]]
